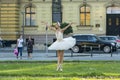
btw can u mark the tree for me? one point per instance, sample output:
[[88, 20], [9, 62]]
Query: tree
[[68, 30]]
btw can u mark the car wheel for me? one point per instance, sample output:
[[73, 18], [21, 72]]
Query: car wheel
[[75, 49], [107, 49]]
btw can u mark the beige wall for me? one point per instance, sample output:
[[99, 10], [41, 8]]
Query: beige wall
[[9, 19], [70, 14], [98, 16], [43, 13], [70, 10]]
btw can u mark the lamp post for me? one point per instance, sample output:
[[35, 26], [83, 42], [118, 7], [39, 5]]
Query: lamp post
[[46, 40], [23, 27]]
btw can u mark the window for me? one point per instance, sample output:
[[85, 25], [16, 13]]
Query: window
[[30, 16], [83, 38], [111, 38], [77, 37], [92, 38], [56, 11], [85, 15], [56, 0], [113, 10]]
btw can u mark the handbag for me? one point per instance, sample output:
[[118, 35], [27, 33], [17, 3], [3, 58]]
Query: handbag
[[16, 51]]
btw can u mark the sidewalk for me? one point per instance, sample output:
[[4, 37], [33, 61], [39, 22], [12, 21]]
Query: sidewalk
[[6, 54]]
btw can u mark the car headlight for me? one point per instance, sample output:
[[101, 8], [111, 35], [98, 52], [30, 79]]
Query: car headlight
[[113, 44]]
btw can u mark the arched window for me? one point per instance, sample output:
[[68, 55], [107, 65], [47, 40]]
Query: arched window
[[30, 15], [113, 10], [85, 15]]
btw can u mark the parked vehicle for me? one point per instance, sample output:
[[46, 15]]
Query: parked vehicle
[[87, 42], [112, 39]]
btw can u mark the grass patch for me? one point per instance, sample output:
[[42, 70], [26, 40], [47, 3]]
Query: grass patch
[[56, 78], [83, 69]]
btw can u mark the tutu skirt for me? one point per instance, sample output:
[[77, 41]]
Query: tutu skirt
[[64, 44]]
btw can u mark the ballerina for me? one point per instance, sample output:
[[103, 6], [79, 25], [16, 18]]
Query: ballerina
[[61, 43]]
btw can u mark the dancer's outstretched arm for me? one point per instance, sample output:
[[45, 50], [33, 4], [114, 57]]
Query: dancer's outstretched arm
[[49, 26], [67, 26]]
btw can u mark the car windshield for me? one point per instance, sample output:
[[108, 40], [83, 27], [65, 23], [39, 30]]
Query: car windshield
[[80, 37], [98, 38], [103, 38], [118, 37], [109, 37], [92, 38]]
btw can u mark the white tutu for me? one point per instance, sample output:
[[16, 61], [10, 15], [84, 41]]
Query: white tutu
[[64, 44]]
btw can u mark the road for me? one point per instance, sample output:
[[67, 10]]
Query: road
[[6, 54]]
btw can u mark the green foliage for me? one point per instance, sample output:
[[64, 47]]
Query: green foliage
[[68, 30]]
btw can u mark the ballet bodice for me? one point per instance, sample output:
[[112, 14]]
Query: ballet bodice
[[59, 35]]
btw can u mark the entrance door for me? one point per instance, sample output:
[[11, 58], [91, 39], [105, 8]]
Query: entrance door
[[113, 24]]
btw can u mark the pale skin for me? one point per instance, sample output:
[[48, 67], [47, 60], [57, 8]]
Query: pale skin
[[60, 53]]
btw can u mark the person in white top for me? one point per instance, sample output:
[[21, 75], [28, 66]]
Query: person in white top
[[61, 43], [20, 46]]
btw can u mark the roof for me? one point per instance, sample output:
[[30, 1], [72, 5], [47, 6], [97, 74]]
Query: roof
[[108, 36], [82, 34]]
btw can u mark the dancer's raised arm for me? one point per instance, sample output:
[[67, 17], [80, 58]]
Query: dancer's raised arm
[[67, 26], [49, 26]]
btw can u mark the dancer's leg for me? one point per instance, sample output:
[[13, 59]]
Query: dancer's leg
[[58, 62], [61, 59], [61, 56]]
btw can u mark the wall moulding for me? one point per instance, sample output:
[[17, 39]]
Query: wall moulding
[[9, 1], [84, 27]]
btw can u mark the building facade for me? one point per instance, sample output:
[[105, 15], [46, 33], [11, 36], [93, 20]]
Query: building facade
[[101, 17]]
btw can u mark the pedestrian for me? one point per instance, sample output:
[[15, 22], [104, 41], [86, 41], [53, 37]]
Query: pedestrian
[[1, 42], [61, 43], [20, 46], [30, 47]]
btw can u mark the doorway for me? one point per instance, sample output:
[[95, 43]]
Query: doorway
[[113, 24], [113, 20]]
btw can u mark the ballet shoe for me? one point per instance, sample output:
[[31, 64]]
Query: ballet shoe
[[58, 68], [61, 69]]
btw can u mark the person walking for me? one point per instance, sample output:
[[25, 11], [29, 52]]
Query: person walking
[[1, 42], [30, 47], [20, 46], [61, 43]]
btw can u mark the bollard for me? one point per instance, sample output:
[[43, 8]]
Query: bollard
[[91, 51], [71, 54], [111, 51], [85, 48]]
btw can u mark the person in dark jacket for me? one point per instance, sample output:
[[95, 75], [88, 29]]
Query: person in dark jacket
[[30, 47]]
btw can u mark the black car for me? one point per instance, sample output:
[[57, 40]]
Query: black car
[[87, 42], [115, 39]]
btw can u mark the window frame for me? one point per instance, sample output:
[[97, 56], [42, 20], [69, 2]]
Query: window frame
[[85, 12], [56, 11], [30, 13]]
